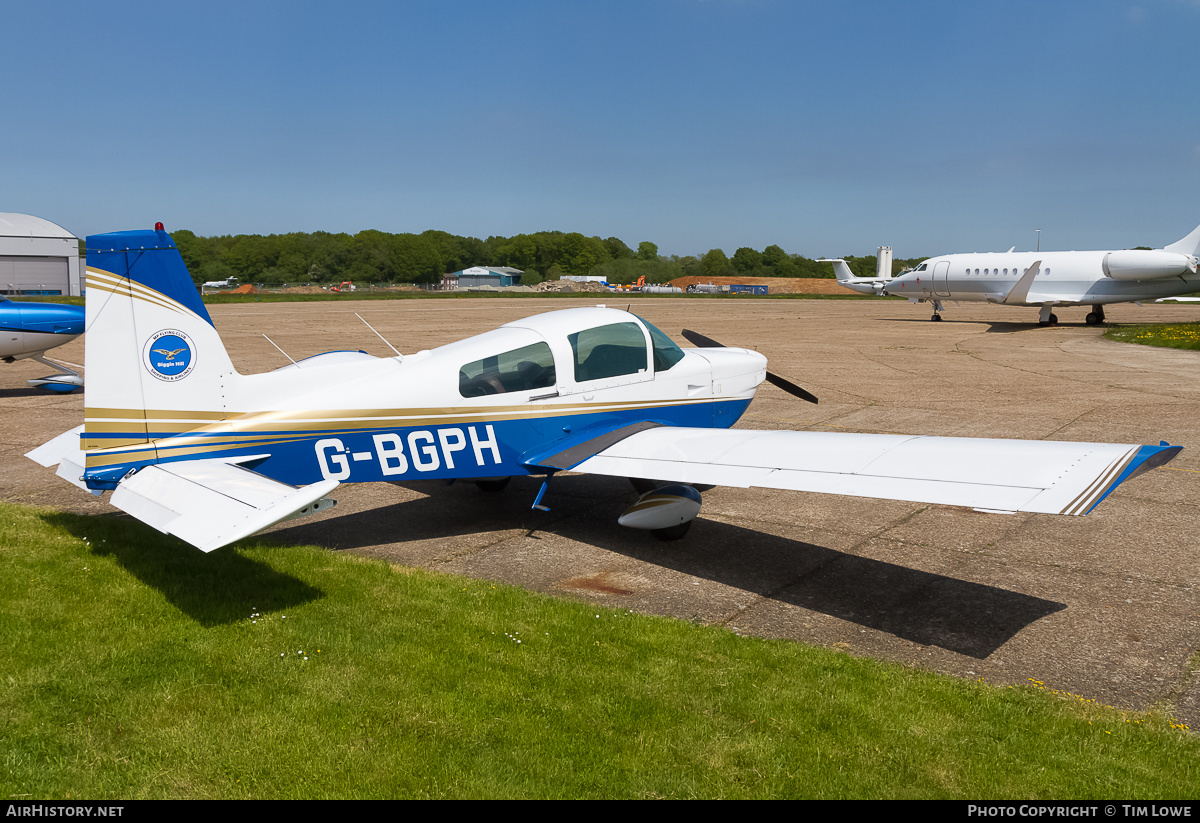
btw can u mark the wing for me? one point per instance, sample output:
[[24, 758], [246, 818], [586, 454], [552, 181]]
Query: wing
[[1001, 475]]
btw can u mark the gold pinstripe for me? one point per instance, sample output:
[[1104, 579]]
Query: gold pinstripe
[[193, 432], [1099, 486], [106, 281]]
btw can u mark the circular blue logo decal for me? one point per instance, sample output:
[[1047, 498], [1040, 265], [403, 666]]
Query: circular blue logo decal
[[169, 355]]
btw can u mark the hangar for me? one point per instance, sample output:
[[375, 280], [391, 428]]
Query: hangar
[[488, 276], [37, 257]]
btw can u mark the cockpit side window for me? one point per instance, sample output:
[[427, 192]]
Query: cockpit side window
[[529, 367], [608, 351], [666, 353]]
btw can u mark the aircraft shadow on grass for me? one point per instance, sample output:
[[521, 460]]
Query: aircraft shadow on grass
[[930, 609], [211, 593]]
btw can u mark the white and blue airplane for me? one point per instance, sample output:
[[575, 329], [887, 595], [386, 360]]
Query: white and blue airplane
[[29, 330], [190, 446], [1047, 279]]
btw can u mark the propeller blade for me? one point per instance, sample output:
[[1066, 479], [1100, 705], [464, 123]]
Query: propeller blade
[[790, 387], [700, 341]]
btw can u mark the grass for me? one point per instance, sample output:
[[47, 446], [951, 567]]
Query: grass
[[1169, 335], [136, 667]]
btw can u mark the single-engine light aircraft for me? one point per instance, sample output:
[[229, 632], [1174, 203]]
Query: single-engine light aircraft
[[29, 330], [1047, 279], [190, 446]]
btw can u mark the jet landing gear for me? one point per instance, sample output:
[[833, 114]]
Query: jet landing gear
[[1046, 317], [937, 307], [1095, 316]]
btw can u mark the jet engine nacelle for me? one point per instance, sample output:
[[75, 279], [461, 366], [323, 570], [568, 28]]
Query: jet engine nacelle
[[1143, 264]]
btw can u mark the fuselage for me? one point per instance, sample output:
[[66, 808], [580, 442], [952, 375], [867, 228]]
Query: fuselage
[[497, 404], [1062, 278], [28, 329]]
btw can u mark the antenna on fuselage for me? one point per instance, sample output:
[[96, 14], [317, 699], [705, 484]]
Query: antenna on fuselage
[[377, 334], [281, 351], [1039, 234]]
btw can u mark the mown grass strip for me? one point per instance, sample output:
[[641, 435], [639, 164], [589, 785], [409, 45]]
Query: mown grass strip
[[136, 667], [1168, 335]]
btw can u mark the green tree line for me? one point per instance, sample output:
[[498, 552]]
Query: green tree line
[[380, 257]]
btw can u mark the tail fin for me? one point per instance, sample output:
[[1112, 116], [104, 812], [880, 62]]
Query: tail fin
[[151, 346], [840, 270], [1189, 245]]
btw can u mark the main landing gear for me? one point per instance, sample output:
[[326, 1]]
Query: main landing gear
[[1095, 316], [1046, 317]]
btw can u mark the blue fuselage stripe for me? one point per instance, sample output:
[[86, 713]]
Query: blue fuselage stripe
[[484, 448]]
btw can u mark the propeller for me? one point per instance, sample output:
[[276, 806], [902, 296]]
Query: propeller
[[700, 341]]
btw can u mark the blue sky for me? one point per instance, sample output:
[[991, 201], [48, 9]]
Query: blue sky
[[826, 128]]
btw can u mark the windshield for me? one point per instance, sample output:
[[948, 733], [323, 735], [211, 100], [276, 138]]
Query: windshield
[[666, 353]]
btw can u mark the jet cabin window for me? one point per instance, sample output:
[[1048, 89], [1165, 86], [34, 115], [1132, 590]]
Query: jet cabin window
[[530, 367], [608, 351]]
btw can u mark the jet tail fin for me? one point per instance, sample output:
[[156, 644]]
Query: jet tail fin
[[1189, 245], [841, 270]]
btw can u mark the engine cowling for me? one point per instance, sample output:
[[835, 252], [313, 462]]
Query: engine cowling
[[1143, 264]]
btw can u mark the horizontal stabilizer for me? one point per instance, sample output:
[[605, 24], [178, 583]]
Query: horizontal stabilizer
[[64, 452], [212, 503], [52, 452], [1053, 477]]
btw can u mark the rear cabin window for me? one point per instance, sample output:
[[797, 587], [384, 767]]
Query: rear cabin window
[[608, 351], [529, 367]]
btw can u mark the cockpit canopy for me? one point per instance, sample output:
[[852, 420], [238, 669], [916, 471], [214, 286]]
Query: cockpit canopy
[[613, 345]]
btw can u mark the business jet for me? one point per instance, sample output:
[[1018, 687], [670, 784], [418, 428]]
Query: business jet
[[190, 446], [1047, 280], [863, 285], [29, 330]]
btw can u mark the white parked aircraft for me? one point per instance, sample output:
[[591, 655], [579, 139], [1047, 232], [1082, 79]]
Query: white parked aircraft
[[1047, 279], [195, 449], [862, 285]]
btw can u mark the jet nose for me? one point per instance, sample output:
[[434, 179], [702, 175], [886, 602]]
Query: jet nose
[[897, 285]]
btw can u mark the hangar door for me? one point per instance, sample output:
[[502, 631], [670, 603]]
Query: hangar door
[[34, 275]]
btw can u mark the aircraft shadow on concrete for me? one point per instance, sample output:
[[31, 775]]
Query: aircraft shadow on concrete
[[31, 391], [934, 610], [1006, 327], [213, 589]]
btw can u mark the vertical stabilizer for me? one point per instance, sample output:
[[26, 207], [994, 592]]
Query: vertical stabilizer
[[1189, 245], [151, 350]]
